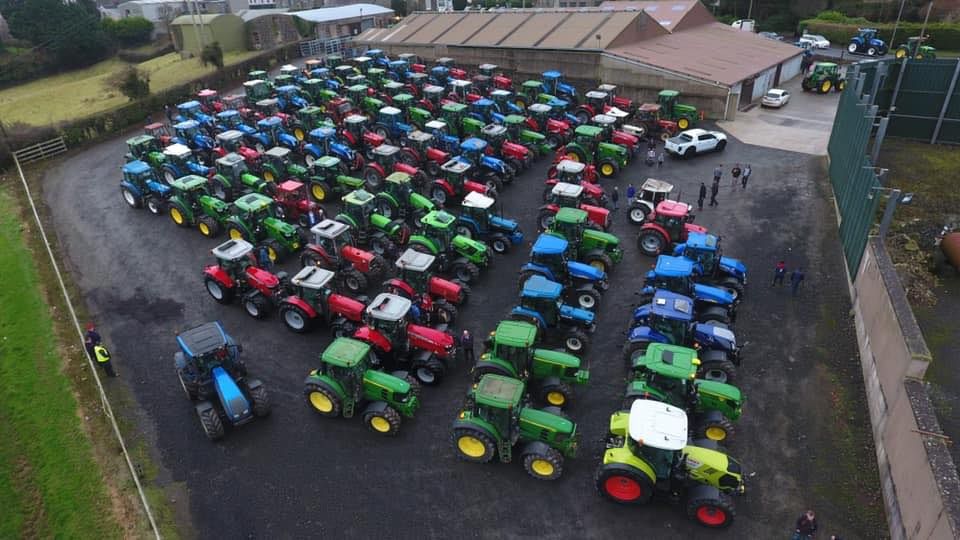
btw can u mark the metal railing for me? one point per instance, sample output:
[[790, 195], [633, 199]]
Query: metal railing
[[41, 150]]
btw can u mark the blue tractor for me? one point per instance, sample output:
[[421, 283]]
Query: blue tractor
[[486, 111], [559, 109], [868, 42], [290, 98], [398, 70], [440, 75], [710, 266], [323, 141], [675, 274], [669, 319], [505, 102], [190, 134], [443, 140], [390, 125], [554, 84], [582, 283], [193, 110], [477, 221], [270, 133], [492, 170], [213, 376], [541, 306], [140, 187], [179, 161], [379, 57], [231, 119]]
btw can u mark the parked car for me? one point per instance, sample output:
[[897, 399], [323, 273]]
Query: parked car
[[775, 97], [695, 141], [817, 41], [771, 35]]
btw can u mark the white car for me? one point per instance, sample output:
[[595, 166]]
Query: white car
[[775, 97], [817, 41], [695, 141]]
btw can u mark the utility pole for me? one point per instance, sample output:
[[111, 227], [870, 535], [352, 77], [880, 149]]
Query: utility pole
[[923, 29], [893, 38], [750, 9]]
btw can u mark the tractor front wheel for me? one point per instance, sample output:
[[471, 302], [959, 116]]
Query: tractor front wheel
[[546, 218], [825, 86], [189, 387], [154, 205], [295, 319], [320, 191], [323, 400], [445, 312], [651, 242], [466, 272], [354, 281], [588, 299], [576, 341], [713, 314], [547, 465], [600, 261], [132, 200], [430, 372], [178, 214], [208, 226], [555, 394], [211, 423], [710, 508], [218, 292], [683, 122], [608, 168], [623, 484], [256, 305], [716, 427], [473, 445], [384, 421], [261, 401], [500, 244]]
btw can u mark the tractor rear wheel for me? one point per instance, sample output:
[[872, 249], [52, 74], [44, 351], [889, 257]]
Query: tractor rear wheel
[[576, 341], [651, 242], [467, 272], [713, 313], [588, 299], [132, 200], [235, 232], [411, 380], [189, 387], [732, 285], [623, 484], [256, 305], [295, 319], [445, 312], [600, 261], [546, 465], [383, 422], [473, 444], [683, 122], [373, 179], [354, 281], [153, 204], [208, 226], [383, 246], [430, 372], [261, 401], [387, 208], [179, 215], [323, 400], [211, 423], [342, 328], [553, 141], [546, 219], [438, 195], [556, 394], [219, 292], [714, 366], [716, 427], [710, 508], [499, 244]]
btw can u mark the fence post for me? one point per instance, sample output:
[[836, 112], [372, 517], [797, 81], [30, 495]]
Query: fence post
[[896, 87], [858, 86], [878, 140], [946, 103], [880, 71]]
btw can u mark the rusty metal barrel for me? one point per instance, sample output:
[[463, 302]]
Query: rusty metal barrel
[[950, 245]]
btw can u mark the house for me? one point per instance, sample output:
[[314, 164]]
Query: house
[[345, 21], [191, 32], [268, 28], [161, 12]]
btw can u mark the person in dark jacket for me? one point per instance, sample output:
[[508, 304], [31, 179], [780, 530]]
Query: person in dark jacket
[[735, 174], [714, 189], [615, 197], [263, 258], [806, 526], [779, 272], [703, 195], [466, 345], [631, 191], [796, 278]]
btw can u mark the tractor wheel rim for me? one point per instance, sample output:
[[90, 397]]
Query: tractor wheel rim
[[606, 169], [651, 243], [715, 433], [440, 196], [204, 229], [574, 344], [463, 274], [176, 216], [380, 424], [444, 316], [572, 156], [542, 467], [425, 375], [319, 193], [711, 515], [637, 215], [214, 289], [587, 301], [309, 160], [683, 123], [499, 246], [294, 320], [623, 488], [321, 402], [252, 308], [153, 206], [235, 234], [471, 446], [299, 134], [272, 254], [598, 265], [352, 283], [268, 176], [556, 398], [716, 375], [825, 86], [127, 196]]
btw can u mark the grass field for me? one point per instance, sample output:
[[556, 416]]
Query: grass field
[[84, 92], [50, 485]]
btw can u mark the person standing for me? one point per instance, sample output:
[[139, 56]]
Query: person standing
[[466, 344], [660, 160], [806, 526], [631, 192], [703, 195], [746, 174], [779, 271], [717, 173], [651, 143], [735, 173], [796, 278], [91, 339], [263, 258], [168, 110], [714, 189], [93, 343], [616, 198]]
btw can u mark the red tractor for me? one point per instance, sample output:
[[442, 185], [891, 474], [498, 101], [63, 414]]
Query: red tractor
[[435, 297], [236, 273], [565, 195], [577, 173], [233, 141], [295, 206], [418, 152], [615, 100], [385, 161], [210, 101], [557, 132], [356, 133], [160, 132], [427, 352], [312, 301], [518, 156], [499, 80], [649, 115], [333, 247], [614, 135], [668, 224]]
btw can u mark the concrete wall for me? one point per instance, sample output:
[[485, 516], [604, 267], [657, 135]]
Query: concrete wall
[[919, 482]]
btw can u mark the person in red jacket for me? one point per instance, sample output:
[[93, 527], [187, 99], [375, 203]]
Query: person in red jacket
[[806, 526]]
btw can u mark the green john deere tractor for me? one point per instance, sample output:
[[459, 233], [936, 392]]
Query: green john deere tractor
[[915, 50], [588, 147], [328, 177], [599, 249], [398, 199], [517, 132], [648, 455], [495, 418], [255, 220], [457, 256], [822, 78], [685, 116], [147, 149], [511, 353], [192, 205], [347, 379], [277, 165], [668, 373], [233, 178], [308, 119], [382, 234]]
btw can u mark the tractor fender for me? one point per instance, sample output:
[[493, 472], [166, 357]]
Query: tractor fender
[[331, 384], [376, 166], [375, 406], [162, 190], [442, 182], [492, 364], [477, 423], [402, 286], [524, 314], [420, 240], [477, 187], [535, 447], [302, 304], [313, 150], [538, 269], [413, 153], [554, 208], [640, 334], [132, 188], [446, 289], [350, 309], [404, 168], [654, 226], [219, 275], [437, 155], [373, 337], [325, 259], [359, 258]]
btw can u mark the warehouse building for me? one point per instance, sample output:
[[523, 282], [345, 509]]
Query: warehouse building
[[642, 47], [191, 32]]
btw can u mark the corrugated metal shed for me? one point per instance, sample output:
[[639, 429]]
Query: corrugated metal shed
[[351, 11], [668, 13]]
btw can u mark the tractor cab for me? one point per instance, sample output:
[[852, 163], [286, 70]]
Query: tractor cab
[[346, 360], [187, 131], [376, 76], [283, 80], [209, 101], [233, 167], [331, 235], [566, 195], [411, 59], [481, 82], [487, 69], [268, 107], [485, 110], [545, 297], [208, 346], [462, 91], [494, 134], [453, 113], [570, 224], [416, 269], [417, 81], [672, 216], [191, 187], [386, 155], [313, 88], [179, 155], [311, 117], [438, 225], [356, 125], [387, 314], [312, 284], [392, 118], [657, 436], [551, 252], [704, 249], [570, 172], [257, 89], [234, 256], [362, 63], [504, 101], [393, 88], [473, 149], [192, 110], [400, 185], [671, 315], [531, 90], [588, 137], [671, 274], [378, 56], [359, 204], [398, 69], [257, 74], [331, 61], [159, 131], [446, 61], [654, 191], [312, 64], [341, 72], [439, 75], [279, 159], [138, 173], [231, 119], [553, 83], [614, 99], [456, 172], [292, 94], [142, 146], [290, 70], [254, 208], [357, 93], [670, 369], [605, 122], [649, 113], [477, 207], [234, 102], [434, 95], [498, 401], [291, 193], [540, 112], [597, 99]]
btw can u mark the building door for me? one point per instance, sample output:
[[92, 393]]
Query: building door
[[746, 94], [776, 78]]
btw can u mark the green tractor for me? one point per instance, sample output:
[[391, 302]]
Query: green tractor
[[599, 249], [685, 116], [648, 455], [457, 255], [517, 132], [915, 50], [328, 176], [192, 205], [495, 418], [511, 353], [668, 373], [588, 147], [463, 126], [277, 165], [413, 114], [398, 199], [255, 220], [308, 119], [233, 178], [823, 77], [146, 148], [382, 234], [347, 380]]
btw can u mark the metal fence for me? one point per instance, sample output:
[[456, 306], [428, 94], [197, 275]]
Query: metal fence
[[316, 48], [41, 150]]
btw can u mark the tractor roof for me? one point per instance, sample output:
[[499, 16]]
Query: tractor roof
[[658, 425], [563, 189], [361, 59], [136, 167], [386, 150], [488, 67], [673, 209], [388, 307], [454, 107], [607, 88], [512, 119], [672, 305], [343, 68], [312, 277], [401, 62], [596, 94], [189, 182], [438, 218], [416, 76], [177, 150], [278, 152], [253, 202], [269, 122], [356, 88], [703, 241], [498, 391], [358, 196], [455, 166], [402, 99], [398, 178], [460, 83], [532, 84], [325, 162], [483, 102], [415, 260], [826, 65], [355, 119], [570, 166], [539, 108], [329, 228], [390, 111], [669, 93], [432, 89], [616, 113], [670, 361], [436, 124], [518, 334], [192, 104], [571, 215], [604, 119], [552, 74], [668, 266], [288, 88], [392, 85], [649, 107], [419, 136], [289, 186], [547, 244], [254, 82], [230, 160], [588, 131], [207, 92], [229, 113], [501, 92], [232, 250], [268, 102], [658, 186], [477, 200], [323, 132], [202, 339], [310, 110], [473, 144], [444, 60], [538, 286], [494, 130], [407, 56], [345, 352], [140, 139], [187, 124], [230, 135]]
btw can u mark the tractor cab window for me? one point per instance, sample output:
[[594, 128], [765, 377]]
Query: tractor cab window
[[515, 356], [499, 418], [567, 201], [444, 236], [661, 460], [417, 280], [674, 329]]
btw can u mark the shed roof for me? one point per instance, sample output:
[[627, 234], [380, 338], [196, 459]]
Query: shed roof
[[351, 11], [205, 18], [667, 13], [250, 14]]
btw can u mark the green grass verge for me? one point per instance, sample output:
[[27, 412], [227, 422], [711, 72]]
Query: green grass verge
[[83, 92], [50, 485]]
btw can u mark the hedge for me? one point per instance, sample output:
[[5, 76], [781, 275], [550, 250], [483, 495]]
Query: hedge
[[944, 36]]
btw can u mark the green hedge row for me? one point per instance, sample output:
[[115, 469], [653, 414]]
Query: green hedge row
[[944, 36]]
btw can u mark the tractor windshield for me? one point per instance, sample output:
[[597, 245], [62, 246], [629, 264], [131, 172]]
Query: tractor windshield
[[705, 257], [416, 278], [443, 236], [499, 418], [674, 329]]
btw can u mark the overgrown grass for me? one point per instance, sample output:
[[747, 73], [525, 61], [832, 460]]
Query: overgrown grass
[[83, 92], [50, 485]]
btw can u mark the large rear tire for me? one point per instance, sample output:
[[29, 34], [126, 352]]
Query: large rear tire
[[622, 484], [323, 400], [466, 272], [353, 281], [600, 261], [473, 445], [588, 299], [133, 201], [715, 366], [208, 227], [446, 313], [261, 401]]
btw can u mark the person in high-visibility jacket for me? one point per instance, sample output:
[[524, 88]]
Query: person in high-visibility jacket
[[96, 350]]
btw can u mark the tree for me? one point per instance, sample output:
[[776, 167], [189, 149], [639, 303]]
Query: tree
[[459, 5], [131, 82], [399, 7], [212, 54], [130, 31], [70, 32]]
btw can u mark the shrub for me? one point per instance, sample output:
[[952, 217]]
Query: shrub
[[129, 31], [831, 15], [131, 82], [212, 54], [942, 35]]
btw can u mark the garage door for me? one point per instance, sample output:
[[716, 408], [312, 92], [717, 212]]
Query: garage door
[[763, 83], [790, 69]]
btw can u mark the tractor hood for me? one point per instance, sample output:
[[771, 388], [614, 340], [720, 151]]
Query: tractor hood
[[284, 229], [493, 163], [719, 396], [640, 388], [714, 337], [342, 151], [557, 358], [386, 381], [532, 136], [420, 202], [446, 289], [574, 313], [714, 468], [503, 224], [602, 238], [585, 271], [642, 313], [713, 295], [733, 267], [431, 340], [235, 405], [615, 148], [470, 247]]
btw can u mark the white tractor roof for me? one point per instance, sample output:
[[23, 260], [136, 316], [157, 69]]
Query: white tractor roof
[[230, 159], [253, 82], [390, 110], [329, 228], [355, 119], [232, 250], [177, 150], [488, 67], [459, 82], [659, 186], [563, 189], [539, 107], [455, 165], [416, 261], [386, 150], [436, 124], [658, 425], [493, 129], [361, 59], [278, 151], [419, 136], [607, 88], [500, 92], [432, 88], [289, 67], [570, 166], [616, 113], [229, 135], [477, 200], [388, 307], [604, 119], [313, 277], [596, 94]]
